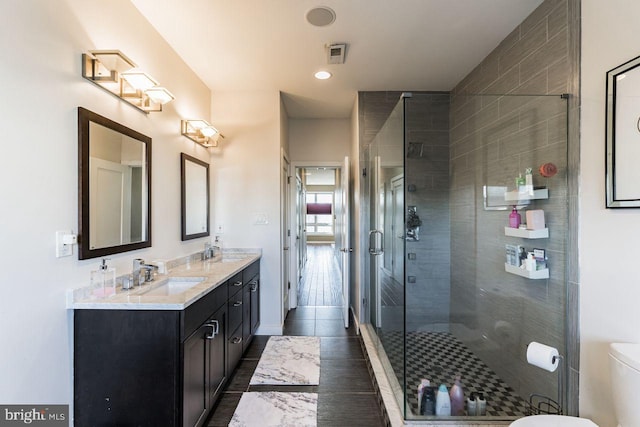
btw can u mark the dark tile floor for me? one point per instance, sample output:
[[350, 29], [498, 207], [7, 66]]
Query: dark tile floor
[[346, 396]]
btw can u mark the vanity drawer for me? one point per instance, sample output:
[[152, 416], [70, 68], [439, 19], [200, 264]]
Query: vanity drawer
[[197, 313], [235, 311], [250, 272], [235, 283]]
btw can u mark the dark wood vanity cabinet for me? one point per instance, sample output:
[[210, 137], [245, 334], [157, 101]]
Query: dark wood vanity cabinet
[[158, 367]]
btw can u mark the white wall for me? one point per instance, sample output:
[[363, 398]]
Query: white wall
[[246, 184], [319, 140], [609, 250], [41, 46]]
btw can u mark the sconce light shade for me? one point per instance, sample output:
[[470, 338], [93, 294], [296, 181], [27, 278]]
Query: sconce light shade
[[116, 73], [159, 95], [201, 132]]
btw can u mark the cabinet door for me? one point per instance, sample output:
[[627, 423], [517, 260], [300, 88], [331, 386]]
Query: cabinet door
[[217, 337], [195, 397], [246, 317], [255, 304]]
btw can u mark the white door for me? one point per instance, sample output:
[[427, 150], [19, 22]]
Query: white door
[[286, 233], [110, 209], [398, 231], [346, 244]]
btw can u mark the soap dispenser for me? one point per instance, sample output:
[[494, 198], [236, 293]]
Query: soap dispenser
[[514, 218], [103, 281]]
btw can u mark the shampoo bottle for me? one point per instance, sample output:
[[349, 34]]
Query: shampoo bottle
[[456, 395], [428, 406], [443, 402], [514, 218], [103, 281], [423, 383]]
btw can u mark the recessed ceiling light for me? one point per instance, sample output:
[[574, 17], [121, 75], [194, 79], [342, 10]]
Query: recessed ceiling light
[[322, 75], [321, 16]]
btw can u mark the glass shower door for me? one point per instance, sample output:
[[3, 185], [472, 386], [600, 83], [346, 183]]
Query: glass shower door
[[387, 241]]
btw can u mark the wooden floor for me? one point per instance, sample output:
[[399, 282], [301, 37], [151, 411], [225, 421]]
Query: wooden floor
[[321, 282], [346, 396]]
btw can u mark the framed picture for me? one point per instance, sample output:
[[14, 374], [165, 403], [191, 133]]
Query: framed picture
[[623, 136]]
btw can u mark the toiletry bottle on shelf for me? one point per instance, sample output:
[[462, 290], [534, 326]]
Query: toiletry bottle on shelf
[[428, 404], [520, 184], [528, 179], [514, 218], [456, 395], [103, 281], [443, 402], [423, 383]]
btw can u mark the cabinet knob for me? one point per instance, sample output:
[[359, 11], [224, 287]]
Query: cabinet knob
[[237, 303], [236, 340], [215, 329], [239, 283], [254, 287]]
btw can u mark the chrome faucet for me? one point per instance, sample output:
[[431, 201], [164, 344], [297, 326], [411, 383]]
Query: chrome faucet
[[209, 251], [142, 272]]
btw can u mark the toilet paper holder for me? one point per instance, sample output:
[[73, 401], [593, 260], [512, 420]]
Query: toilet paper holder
[[541, 404]]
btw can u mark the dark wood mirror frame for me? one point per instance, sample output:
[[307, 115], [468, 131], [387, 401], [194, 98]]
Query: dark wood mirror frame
[[184, 158], [85, 117]]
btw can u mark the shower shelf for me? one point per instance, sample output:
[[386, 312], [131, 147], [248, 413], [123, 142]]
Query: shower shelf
[[516, 196], [527, 234], [537, 274]]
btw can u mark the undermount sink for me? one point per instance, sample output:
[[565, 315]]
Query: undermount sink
[[175, 285]]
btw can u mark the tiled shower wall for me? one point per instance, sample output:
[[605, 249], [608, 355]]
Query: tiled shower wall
[[427, 172], [490, 145], [427, 188]]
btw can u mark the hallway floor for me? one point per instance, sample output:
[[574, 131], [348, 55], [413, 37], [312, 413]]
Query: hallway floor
[[346, 396], [320, 283]]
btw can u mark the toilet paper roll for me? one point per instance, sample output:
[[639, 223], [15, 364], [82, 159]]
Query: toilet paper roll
[[543, 356]]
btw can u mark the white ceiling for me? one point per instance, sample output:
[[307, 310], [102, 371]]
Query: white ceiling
[[402, 45]]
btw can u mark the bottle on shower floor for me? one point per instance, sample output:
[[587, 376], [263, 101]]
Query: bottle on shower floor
[[443, 402], [456, 395], [428, 404]]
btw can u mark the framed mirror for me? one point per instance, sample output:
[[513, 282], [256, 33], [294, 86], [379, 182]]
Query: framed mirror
[[114, 187], [195, 197], [623, 135]]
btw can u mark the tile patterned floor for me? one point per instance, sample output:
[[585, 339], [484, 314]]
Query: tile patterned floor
[[440, 357], [346, 396]]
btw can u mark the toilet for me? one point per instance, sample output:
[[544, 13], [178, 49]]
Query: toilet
[[552, 421], [624, 361]]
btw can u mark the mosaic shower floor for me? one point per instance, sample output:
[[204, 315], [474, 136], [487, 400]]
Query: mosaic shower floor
[[440, 357]]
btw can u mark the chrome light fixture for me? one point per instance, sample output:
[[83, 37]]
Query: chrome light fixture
[[201, 132], [116, 73]]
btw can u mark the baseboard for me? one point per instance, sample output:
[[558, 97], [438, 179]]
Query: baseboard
[[356, 323], [269, 330]]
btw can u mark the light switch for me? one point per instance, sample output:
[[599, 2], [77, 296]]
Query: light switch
[[65, 249], [261, 218]]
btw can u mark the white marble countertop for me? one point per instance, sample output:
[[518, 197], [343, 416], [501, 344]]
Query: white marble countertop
[[214, 272]]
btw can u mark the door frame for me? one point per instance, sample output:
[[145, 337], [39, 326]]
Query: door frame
[[293, 263]]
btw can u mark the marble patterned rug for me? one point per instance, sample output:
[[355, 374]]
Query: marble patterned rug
[[273, 408], [289, 360]]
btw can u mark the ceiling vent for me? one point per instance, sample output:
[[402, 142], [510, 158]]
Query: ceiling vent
[[335, 53]]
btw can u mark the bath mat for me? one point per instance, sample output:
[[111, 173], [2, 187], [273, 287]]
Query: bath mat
[[274, 408], [289, 360]]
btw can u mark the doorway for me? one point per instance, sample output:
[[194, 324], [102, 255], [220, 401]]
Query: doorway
[[320, 241]]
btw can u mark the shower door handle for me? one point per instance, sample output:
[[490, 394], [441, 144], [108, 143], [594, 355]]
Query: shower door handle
[[373, 249]]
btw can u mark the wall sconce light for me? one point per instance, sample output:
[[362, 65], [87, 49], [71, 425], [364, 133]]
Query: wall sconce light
[[116, 73], [201, 132]]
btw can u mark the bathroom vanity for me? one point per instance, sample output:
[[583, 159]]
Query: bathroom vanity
[[161, 353]]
